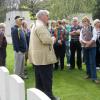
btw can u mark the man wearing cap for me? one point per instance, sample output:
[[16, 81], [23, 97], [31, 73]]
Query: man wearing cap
[[41, 53], [19, 45]]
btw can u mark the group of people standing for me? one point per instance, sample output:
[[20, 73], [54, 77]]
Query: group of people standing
[[20, 39], [47, 44], [79, 38], [67, 39], [67, 42]]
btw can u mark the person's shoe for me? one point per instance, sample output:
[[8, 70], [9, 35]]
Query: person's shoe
[[87, 77], [62, 69], [97, 68], [24, 77], [56, 98], [83, 62], [25, 73], [68, 65], [55, 69], [80, 69], [96, 81], [71, 68]]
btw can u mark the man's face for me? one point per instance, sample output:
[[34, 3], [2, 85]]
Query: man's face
[[45, 19], [19, 21], [2, 29], [97, 25], [75, 22], [63, 23]]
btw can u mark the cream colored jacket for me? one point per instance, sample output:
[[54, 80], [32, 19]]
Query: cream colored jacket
[[41, 50]]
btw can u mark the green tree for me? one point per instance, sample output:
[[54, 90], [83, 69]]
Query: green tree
[[96, 10], [2, 10], [31, 5], [61, 8]]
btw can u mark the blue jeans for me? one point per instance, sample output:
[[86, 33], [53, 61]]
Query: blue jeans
[[90, 58]]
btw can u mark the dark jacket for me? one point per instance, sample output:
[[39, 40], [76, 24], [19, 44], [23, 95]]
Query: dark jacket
[[3, 45], [76, 36], [18, 39]]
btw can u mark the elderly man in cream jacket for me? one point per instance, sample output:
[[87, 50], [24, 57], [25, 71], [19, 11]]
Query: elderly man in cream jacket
[[41, 53]]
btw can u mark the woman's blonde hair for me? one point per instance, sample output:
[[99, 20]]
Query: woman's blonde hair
[[85, 18]]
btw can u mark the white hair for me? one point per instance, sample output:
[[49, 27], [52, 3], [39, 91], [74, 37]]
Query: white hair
[[63, 20], [75, 18], [42, 13], [2, 25], [96, 21]]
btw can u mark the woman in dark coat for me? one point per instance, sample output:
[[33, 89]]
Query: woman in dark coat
[[97, 29], [3, 45]]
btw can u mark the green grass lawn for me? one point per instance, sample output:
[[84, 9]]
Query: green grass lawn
[[69, 85]]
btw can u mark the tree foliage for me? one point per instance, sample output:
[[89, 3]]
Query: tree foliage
[[57, 8], [6, 5], [2, 10], [31, 5], [96, 10], [61, 8]]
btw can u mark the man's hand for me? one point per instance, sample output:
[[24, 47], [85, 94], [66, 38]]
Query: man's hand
[[78, 32], [54, 39], [72, 33], [59, 41]]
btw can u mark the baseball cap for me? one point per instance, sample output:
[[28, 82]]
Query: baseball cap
[[18, 17]]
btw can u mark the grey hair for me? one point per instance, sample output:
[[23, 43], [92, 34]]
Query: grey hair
[[42, 13], [96, 21], [2, 25]]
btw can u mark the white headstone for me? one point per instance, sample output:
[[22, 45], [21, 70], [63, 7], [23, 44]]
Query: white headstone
[[17, 88], [4, 83], [35, 94]]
